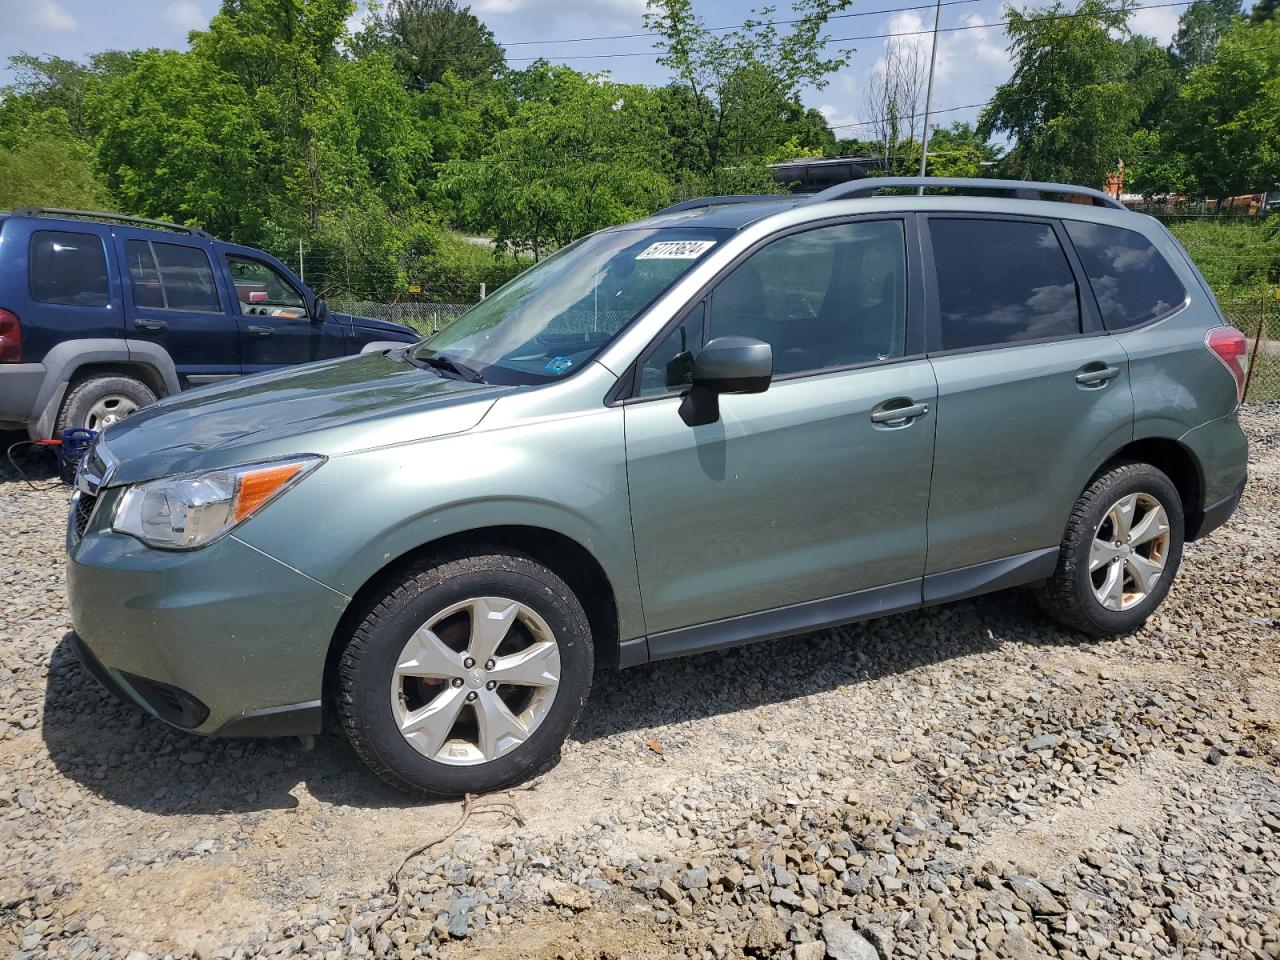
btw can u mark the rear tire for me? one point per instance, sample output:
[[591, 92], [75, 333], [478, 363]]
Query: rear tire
[[467, 675], [97, 402], [1119, 556]]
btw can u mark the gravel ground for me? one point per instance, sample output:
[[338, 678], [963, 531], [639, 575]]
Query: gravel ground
[[967, 781]]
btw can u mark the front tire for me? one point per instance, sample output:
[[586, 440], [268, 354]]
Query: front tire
[[1119, 556], [467, 675], [95, 403]]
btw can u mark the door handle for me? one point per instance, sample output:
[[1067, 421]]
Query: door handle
[[899, 414], [261, 331], [1096, 375], [151, 324]]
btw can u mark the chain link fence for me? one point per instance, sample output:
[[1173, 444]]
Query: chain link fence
[[1259, 318], [426, 318]]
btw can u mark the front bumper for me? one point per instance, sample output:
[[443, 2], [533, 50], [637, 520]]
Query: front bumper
[[223, 640]]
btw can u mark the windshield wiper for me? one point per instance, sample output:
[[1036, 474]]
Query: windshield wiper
[[440, 361]]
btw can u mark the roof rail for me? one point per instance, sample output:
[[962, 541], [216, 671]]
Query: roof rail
[[697, 202], [1022, 189], [112, 218]]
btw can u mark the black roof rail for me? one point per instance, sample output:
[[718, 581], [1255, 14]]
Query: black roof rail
[[1021, 189], [112, 218], [697, 202]]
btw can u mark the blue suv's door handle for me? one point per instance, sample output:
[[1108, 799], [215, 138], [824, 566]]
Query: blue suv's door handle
[[156, 325], [1095, 375], [262, 331]]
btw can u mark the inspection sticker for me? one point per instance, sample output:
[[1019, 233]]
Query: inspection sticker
[[676, 250]]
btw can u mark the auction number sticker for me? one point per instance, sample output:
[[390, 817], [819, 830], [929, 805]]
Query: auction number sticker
[[676, 250]]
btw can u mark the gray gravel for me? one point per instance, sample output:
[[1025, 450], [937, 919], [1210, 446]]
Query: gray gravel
[[967, 782]]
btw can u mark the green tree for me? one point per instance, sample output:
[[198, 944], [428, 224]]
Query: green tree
[[1073, 99], [580, 153], [1264, 10], [1227, 119], [425, 38], [1200, 28], [735, 96], [958, 151]]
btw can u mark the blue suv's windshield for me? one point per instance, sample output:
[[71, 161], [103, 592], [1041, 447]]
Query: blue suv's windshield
[[556, 316]]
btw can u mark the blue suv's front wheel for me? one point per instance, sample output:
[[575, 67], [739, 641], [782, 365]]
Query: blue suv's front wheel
[[467, 675]]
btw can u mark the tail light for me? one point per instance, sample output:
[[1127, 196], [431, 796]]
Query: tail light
[[1230, 346], [10, 338]]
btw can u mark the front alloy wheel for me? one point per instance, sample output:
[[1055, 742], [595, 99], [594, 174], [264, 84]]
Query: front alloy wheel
[[467, 674], [475, 681]]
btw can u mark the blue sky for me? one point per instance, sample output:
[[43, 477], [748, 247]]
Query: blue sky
[[971, 62]]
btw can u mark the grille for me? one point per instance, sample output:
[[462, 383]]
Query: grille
[[84, 510]]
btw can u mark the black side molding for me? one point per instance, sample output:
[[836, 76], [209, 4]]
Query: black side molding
[[847, 608], [785, 621], [992, 575]]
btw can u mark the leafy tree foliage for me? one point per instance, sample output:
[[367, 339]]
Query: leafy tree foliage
[[1227, 120], [1200, 28], [426, 38]]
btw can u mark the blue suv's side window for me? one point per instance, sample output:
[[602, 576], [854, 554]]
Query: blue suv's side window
[[68, 268], [172, 276]]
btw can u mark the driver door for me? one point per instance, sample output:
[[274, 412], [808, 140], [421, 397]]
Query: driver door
[[801, 504], [275, 324]]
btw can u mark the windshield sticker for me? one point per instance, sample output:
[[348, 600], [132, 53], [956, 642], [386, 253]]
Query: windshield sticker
[[676, 250], [558, 365]]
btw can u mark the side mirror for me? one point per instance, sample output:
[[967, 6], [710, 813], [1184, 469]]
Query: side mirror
[[321, 311], [725, 365]]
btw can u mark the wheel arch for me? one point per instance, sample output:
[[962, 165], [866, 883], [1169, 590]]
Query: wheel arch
[[563, 555], [1176, 461]]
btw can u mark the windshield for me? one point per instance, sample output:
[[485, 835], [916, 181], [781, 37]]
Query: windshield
[[553, 318]]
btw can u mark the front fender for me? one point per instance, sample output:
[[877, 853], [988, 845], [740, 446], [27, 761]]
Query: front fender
[[362, 511]]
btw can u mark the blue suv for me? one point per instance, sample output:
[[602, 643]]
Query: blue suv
[[102, 314]]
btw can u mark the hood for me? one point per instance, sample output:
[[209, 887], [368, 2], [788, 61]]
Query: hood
[[331, 407], [384, 329]]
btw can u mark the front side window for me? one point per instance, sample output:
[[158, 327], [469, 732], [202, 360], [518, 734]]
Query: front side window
[[68, 268], [1001, 281], [828, 297], [262, 290], [1132, 281], [556, 316]]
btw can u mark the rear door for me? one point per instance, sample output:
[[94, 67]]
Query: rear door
[[276, 317], [172, 298], [1033, 394]]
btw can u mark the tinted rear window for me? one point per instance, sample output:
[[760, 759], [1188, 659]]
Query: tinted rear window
[[1001, 281], [187, 278], [1134, 284], [69, 268]]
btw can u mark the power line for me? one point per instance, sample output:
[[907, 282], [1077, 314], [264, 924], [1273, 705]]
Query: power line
[[662, 52], [738, 26]]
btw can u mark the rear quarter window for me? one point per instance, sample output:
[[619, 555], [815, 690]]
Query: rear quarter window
[[1131, 280], [68, 268]]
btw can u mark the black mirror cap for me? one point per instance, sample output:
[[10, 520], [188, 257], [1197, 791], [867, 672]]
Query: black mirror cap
[[321, 311], [734, 365]]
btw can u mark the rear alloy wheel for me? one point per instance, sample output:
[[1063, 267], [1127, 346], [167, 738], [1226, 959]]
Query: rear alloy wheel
[[1121, 550], [467, 675]]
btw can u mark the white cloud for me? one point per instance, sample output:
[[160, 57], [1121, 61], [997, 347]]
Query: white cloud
[[356, 22], [36, 15], [1160, 23], [186, 16]]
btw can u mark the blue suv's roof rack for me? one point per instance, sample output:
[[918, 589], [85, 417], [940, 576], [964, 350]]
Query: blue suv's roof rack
[[1022, 189], [111, 218]]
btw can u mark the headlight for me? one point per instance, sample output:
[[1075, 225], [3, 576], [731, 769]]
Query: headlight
[[189, 511]]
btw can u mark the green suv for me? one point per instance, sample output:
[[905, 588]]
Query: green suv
[[738, 419]]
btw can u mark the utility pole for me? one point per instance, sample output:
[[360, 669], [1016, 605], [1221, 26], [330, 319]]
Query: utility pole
[[302, 273], [928, 96]]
